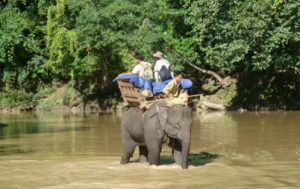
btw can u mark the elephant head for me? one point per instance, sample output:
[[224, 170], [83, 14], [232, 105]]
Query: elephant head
[[176, 122]]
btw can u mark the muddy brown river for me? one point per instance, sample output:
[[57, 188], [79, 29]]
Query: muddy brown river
[[229, 150]]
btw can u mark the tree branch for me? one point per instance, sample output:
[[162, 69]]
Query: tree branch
[[212, 73]]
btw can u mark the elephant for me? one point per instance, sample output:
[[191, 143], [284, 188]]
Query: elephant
[[151, 128]]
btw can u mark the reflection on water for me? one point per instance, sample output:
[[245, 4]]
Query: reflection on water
[[53, 135], [229, 150], [250, 136]]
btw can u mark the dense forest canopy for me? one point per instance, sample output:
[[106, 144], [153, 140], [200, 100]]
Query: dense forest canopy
[[86, 43]]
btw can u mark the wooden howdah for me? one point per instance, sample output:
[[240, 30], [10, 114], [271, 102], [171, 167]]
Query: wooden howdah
[[132, 96]]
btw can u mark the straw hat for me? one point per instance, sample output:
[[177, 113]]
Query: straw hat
[[158, 54]]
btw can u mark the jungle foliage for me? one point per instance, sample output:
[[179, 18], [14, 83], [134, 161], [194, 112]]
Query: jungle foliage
[[87, 43]]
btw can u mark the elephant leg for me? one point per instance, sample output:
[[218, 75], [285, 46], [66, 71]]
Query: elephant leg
[[128, 148], [177, 152], [143, 154], [154, 151]]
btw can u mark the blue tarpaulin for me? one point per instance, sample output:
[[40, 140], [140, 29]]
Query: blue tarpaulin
[[158, 87], [136, 81], [155, 87]]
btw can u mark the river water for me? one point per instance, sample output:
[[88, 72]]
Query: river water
[[228, 150]]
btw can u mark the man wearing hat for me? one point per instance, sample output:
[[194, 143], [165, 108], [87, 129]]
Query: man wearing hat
[[161, 68]]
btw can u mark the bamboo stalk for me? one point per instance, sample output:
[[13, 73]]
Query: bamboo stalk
[[190, 96], [195, 95]]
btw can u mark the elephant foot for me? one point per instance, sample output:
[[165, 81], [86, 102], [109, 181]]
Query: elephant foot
[[154, 155], [143, 159], [124, 160], [154, 159], [180, 154]]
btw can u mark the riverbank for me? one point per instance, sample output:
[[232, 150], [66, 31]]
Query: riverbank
[[60, 98], [64, 98]]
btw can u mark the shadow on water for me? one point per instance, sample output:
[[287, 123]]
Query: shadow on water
[[195, 159], [2, 125], [18, 131], [9, 149]]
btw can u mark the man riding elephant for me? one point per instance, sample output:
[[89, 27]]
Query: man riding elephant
[[173, 92]]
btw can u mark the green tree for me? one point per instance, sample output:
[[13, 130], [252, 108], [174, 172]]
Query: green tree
[[87, 43]]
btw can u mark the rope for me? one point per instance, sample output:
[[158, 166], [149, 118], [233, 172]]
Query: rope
[[195, 95]]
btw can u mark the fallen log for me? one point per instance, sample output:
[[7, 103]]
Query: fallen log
[[211, 105]]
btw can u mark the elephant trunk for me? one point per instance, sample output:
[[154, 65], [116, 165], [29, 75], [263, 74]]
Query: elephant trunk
[[185, 149]]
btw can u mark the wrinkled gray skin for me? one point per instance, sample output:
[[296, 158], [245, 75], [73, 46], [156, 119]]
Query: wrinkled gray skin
[[151, 130]]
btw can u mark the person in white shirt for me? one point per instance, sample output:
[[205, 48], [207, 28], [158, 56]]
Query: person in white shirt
[[138, 69], [142, 69], [160, 62]]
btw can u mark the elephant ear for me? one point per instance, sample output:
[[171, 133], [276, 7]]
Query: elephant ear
[[174, 122], [163, 116], [162, 109]]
